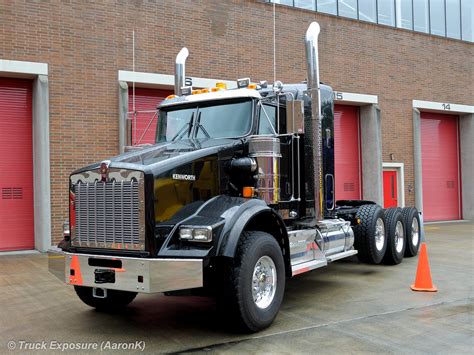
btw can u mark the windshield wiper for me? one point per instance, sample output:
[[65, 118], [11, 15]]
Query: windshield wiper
[[183, 130], [199, 125]]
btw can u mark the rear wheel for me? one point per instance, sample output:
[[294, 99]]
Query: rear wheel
[[412, 230], [113, 300], [255, 282], [370, 239], [396, 240]]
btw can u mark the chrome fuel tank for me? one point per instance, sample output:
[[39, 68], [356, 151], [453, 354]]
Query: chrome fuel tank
[[337, 236]]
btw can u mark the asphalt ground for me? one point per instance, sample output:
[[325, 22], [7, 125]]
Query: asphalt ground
[[348, 307]]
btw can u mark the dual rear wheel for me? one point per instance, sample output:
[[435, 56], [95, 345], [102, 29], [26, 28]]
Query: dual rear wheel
[[386, 236]]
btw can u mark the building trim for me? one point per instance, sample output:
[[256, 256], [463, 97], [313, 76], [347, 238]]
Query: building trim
[[24, 68], [400, 169], [444, 107], [40, 136], [166, 81], [351, 98]]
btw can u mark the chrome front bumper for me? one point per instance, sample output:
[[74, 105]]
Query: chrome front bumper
[[124, 273]]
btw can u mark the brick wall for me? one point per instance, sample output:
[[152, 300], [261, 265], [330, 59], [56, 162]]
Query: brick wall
[[86, 43]]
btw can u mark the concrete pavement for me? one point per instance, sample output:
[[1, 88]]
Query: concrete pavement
[[346, 307]]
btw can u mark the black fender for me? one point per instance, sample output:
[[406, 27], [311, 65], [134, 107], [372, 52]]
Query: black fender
[[253, 214]]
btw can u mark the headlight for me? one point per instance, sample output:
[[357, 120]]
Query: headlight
[[196, 233]]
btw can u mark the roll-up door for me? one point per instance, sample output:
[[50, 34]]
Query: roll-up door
[[16, 165], [144, 120], [440, 166], [347, 152]]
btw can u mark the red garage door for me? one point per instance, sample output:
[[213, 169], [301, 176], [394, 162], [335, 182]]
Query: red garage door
[[440, 167], [16, 165], [347, 152], [144, 121]]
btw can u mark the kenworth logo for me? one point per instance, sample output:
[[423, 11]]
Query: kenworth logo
[[184, 177]]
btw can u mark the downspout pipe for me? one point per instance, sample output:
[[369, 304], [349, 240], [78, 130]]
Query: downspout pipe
[[314, 92], [179, 70]]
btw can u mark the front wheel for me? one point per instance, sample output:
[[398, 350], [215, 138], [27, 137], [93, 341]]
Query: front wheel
[[255, 282], [113, 300]]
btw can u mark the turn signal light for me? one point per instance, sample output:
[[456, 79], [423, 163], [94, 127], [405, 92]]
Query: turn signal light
[[248, 191], [221, 85]]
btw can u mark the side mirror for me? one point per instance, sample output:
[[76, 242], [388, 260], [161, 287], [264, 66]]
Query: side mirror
[[295, 116]]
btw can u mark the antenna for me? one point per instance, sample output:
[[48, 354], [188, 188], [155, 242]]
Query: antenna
[[274, 44], [133, 88]]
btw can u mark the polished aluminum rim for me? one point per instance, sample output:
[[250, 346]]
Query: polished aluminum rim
[[264, 282], [399, 237], [379, 234], [415, 232]]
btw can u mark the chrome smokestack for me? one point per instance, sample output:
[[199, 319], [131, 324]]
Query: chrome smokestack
[[179, 70], [312, 66]]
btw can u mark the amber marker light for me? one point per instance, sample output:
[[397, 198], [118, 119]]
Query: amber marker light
[[221, 85], [195, 92], [204, 91], [170, 97], [252, 86], [248, 191], [215, 89]]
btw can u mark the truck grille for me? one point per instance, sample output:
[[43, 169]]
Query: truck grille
[[109, 215]]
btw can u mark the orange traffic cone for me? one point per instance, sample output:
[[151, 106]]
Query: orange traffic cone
[[423, 274]]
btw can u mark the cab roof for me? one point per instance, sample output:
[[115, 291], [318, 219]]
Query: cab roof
[[211, 96]]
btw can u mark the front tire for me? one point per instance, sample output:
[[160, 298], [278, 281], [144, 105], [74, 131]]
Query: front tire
[[369, 235], [396, 238], [255, 282], [115, 299]]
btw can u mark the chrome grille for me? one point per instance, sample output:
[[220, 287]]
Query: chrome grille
[[110, 214]]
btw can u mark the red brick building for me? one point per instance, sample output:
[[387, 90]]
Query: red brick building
[[404, 99]]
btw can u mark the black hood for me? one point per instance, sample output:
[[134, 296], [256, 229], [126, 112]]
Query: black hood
[[167, 155]]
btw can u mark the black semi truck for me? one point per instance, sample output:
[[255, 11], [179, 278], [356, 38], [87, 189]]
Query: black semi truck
[[236, 195]]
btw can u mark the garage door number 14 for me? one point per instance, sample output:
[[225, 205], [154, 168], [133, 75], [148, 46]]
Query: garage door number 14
[[446, 107]]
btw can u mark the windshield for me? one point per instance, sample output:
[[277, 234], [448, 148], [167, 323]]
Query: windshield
[[218, 120]]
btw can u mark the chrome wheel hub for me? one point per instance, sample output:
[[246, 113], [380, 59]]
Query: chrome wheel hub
[[379, 234], [415, 232], [399, 237], [264, 282]]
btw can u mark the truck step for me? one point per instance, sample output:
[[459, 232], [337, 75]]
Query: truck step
[[307, 266], [342, 255]]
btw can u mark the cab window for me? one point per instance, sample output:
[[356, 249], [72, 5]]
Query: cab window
[[267, 124]]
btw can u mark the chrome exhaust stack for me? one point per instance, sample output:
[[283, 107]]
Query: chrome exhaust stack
[[179, 70], [312, 67]]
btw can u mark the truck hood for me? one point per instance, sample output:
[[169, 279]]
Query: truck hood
[[167, 155]]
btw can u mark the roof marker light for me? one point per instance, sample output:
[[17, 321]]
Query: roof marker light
[[221, 85], [170, 97], [243, 83], [186, 90]]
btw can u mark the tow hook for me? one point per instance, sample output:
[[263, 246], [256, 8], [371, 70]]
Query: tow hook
[[103, 276]]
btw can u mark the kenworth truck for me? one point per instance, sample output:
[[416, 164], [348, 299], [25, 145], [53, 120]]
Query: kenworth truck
[[236, 195]]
